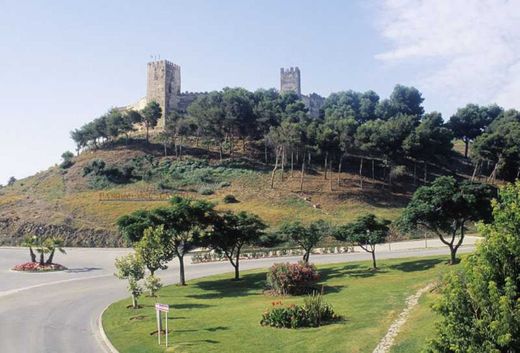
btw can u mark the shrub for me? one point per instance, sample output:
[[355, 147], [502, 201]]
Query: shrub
[[292, 279], [67, 162], [230, 199], [152, 284], [313, 313], [206, 190], [224, 184]]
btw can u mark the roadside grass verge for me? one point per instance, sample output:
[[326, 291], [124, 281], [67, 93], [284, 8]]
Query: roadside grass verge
[[215, 314]]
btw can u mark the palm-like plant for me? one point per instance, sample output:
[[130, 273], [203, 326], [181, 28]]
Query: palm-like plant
[[31, 241], [51, 245]]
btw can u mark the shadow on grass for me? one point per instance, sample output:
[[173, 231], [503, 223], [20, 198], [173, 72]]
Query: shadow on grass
[[349, 270], [195, 342], [416, 265], [221, 288], [190, 306]]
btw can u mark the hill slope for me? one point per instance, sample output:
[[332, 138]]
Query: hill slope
[[82, 207]]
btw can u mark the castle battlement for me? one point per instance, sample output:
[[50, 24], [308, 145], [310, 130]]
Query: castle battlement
[[164, 87], [164, 63], [291, 70]]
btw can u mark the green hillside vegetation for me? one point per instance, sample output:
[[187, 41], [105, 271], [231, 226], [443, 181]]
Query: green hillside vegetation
[[364, 154]]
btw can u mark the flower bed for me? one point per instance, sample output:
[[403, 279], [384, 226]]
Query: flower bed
[[37, 267], [313, 313]]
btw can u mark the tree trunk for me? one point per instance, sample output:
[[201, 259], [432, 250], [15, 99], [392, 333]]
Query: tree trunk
[[374, 265], [220, 151], [182, 277], [265, 151], [236, 266], [475, 170], [453, 255], [134, 302], [339, 169], [466, 147], [373, 170], [425, 172], [330, 175], [292, 164], [302, 174], [306, 255], [325, 167], [147, 134], [51, 257], [165, 150], [33, 255], [277, 154], [361, 173], [41, 258], [283, 161]]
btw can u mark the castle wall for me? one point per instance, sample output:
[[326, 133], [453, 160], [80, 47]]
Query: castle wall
[[186, 98], [314, 102]]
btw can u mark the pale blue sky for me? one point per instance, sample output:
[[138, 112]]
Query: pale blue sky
[[63, 63]]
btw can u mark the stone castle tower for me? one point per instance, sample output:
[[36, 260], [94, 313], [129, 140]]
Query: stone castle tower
[[290, 80], [163, 85]]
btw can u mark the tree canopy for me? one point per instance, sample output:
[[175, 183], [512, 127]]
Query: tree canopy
[[480, 305], [445, 207]]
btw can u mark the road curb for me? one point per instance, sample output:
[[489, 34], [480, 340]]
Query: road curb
[[104, 338]]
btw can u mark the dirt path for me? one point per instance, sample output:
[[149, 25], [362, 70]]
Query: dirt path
[[387, 342]]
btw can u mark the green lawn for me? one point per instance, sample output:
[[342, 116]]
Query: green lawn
[[419, 328], [215, 314]]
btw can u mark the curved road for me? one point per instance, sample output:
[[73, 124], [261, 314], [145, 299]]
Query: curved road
[[59, 312]]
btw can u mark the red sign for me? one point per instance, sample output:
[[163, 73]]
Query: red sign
[[162, 307]]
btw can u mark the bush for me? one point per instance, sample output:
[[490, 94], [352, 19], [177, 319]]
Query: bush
[[67, 160], [152, 284], [206, 190], [230, 199], [224, 184], [292, 279], [313, 313]]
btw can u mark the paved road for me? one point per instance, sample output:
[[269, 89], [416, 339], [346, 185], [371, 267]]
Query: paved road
[[58, 312]]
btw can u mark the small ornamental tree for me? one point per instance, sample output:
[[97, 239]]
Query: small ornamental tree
[[366, 231], [305, 236], [445, 207], [480, 305], [184, 222], [231, 232], [151, 249], [131, 268], [152, 284]]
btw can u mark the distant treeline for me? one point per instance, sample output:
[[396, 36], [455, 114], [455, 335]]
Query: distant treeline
[[395, 131]]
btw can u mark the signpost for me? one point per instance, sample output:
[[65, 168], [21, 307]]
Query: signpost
[[165, 308]]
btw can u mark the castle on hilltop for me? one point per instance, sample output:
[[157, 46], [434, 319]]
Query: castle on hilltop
[[163, 85]]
